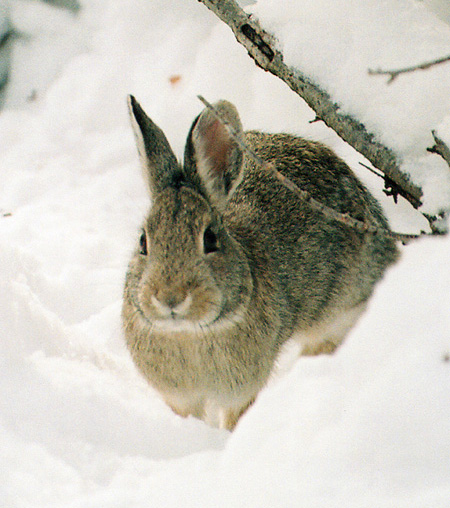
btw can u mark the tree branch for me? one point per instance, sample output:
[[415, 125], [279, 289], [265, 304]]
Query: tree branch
[[393, 74], [317, 206], [261, 47]]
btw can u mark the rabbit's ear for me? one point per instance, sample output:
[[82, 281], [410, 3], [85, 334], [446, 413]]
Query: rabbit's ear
[[159, 164], [218, 156]]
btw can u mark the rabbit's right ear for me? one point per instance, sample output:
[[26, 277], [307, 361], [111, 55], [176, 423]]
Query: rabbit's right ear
[[217, 154], [158, 162]]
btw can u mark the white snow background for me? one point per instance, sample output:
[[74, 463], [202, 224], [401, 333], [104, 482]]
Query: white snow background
[[79, 428]]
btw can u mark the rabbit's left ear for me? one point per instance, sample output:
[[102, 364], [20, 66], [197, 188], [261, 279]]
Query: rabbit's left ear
[[218, 156]]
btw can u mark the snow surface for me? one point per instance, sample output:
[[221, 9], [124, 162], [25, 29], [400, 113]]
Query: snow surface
[[79, 428]]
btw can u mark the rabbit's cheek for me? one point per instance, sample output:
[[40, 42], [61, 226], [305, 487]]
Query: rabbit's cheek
[[145, 302], [206, 306]]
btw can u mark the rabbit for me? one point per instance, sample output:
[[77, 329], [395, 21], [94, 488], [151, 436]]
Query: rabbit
[[230, 264]]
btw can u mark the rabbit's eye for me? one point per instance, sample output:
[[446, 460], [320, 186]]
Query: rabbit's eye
[[210, 241], [143, 244]]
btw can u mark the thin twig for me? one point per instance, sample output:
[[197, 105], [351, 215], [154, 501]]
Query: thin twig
[[343, 218], [393, 74], [380, 175], [393, 189]]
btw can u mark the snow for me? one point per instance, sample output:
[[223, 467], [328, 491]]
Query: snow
[[79, 428], [440, 8]]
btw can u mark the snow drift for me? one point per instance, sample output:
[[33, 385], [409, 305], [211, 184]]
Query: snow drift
[[368, 426]]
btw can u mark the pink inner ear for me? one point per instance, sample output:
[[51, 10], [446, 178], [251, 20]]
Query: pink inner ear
[[216, 147]]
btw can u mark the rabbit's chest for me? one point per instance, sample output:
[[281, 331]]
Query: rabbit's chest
[[190, 364]]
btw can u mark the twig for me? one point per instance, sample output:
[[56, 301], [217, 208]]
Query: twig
[[393, 74], [343, 218], [391, 188], [380, 175]]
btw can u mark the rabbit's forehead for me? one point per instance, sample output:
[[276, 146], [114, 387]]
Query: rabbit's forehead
[[174, 208]]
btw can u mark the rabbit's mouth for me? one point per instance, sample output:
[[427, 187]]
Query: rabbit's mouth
[[176, 310], [179, 325], [175, 321]]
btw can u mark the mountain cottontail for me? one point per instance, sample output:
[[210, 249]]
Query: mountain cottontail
[[231, 264]]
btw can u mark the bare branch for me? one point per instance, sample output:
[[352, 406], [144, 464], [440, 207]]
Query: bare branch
[[380, 175], [317, 206], [393, 74], [261, 47]]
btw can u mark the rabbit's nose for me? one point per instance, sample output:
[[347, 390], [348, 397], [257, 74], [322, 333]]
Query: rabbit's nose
[[170, 299], [168, 303]]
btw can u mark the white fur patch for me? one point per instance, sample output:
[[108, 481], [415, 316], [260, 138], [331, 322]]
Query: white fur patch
[[202, 327]]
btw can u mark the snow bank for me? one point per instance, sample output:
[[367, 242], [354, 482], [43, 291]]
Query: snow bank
[[79, 428]]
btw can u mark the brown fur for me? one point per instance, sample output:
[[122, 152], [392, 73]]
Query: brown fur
[[206, 317]]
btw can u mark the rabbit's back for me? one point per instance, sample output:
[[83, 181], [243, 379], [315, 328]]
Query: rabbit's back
[[320, 263]]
